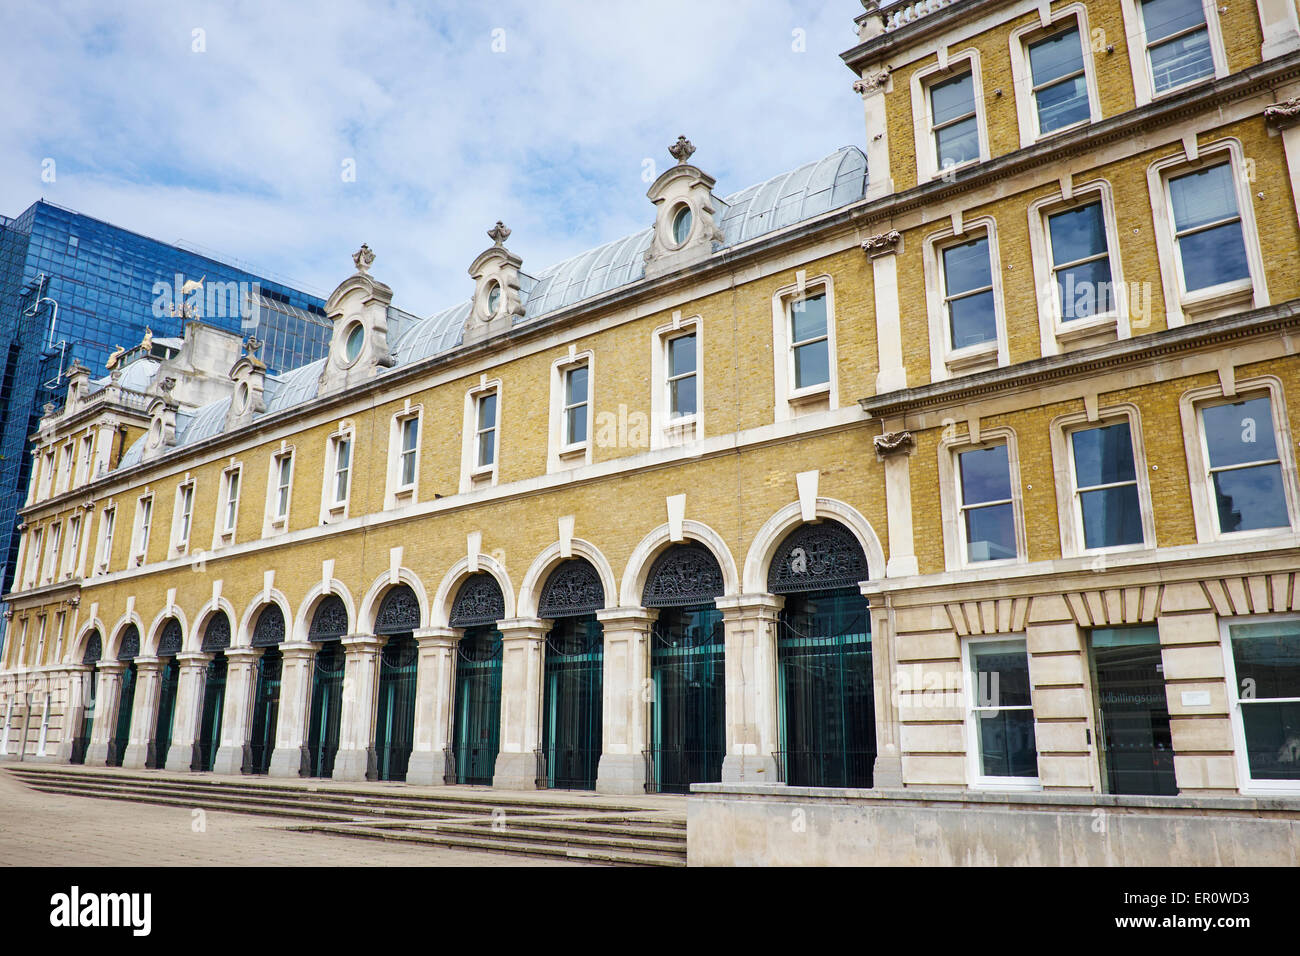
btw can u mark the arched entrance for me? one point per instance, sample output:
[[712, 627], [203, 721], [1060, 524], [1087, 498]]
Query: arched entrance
[[268, 634], [572, 671], [216, 639], [398, 618], [90, 659], [127, 652], [825, 687], [476, 730], [687, 728], [169, 645], [329, 625]]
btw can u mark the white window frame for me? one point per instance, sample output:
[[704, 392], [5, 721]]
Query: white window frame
[[472, 475], [398, 491], [1069, 511], [945, 361], [36, 555], [71, 547], [274, 520], [47, 473], [104, 546], [53, 553], [1140, 54], [1022, 80], [975, 776], [952, 506], [790, 400], [563, 454], [144, 518], [223, 530], [927, 148], [1056, 335], [1226, 298], [665, 430], [1206, 514], [1246, 783], [86, 460], [183, 521], [333, 508], [40, 638]]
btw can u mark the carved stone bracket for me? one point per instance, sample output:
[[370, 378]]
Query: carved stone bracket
[[1283, 114], [871, 83], [883, 244], [894, 443]]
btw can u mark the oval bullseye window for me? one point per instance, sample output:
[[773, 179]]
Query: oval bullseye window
[[494, 299], [352, 345], [681, 224]]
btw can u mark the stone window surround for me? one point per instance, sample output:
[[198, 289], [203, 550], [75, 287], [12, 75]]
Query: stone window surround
[[1190, 404], [1140, 58], [53, 545], [221, 535], [1054, 333], [140, 531], [1069, 514], [273, 522], [948, 66], [954, 540], [1227, 298], [179, 544], [561, 456], [67, 463], [331, 508], [789, 400], [946, 362], [47, 474], [395, 492], [665, 433], [1026, 106], [975, 780], [1246, 784], [472, 476], [85, 461], [104, 540], [71, 547]]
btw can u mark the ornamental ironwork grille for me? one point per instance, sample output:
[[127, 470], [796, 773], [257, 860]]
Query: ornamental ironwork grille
[[269, 630], [479, 601], [330, 621], [683, 575], [169, 645], [399, 612], [130, 648], [216, 636], [816, 557], [573, 589], [94, 649]]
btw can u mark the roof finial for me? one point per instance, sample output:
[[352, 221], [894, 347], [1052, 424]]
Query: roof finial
[[682, 149], [252, 345], [362, 258], [499, 233]]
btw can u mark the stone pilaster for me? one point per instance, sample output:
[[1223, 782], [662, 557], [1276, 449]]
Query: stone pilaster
[[189, 710], [107, 697], [356, 724], [289, 759], [753, 730], [1063, 718], [74, 711], [628, 691], [144, 712], [887, 771], [895, 448], [522, 645], [883, 251], [435, 694], [236, 710], [1280, 26]]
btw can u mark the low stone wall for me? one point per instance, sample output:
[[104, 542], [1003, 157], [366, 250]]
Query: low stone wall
[[766, 825]]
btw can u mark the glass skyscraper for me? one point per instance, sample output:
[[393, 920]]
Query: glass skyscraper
[[102, 279]]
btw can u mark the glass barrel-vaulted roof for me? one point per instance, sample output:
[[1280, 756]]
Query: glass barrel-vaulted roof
[[793, 197]]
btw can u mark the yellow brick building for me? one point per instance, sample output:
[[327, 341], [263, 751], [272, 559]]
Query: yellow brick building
[[962, 460]]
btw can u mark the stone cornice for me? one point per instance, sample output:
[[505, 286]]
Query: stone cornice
[[910, 34], [1140, 350]]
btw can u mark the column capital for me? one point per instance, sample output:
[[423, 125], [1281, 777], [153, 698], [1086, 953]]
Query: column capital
[[627, 616], [439, 636], [148, 663], [523, 628], [749, 605], [238, 655], [362, 642], [298, 648], [192, 658], [112, 667]]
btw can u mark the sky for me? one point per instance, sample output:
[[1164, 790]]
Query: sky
[[281, 136]]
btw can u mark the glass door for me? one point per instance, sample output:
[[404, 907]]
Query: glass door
[[162, 735], [477, 732], [571, 706], [214, 701], [266, 710], [395, 713], [686, 717], [1133, 738], [326, 708], [125, 704]]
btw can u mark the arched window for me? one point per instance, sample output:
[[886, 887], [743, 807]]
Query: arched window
[[269, 630]]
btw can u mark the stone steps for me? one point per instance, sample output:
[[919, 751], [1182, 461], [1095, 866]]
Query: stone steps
[[540, 825]]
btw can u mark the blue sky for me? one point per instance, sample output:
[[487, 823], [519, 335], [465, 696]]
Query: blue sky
[[455, 115]]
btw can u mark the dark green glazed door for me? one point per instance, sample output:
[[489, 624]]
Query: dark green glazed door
[[168, 682], [326, 708], [395, 713], [477, 731], [1136, 746], [686, 717], [825, 690], [214, 701], [125, 704], [266, 710], [82, 743], [571, 736]]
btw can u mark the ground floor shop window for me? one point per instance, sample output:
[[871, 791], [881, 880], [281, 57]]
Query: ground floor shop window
[[1265, 660], [1000, 715]]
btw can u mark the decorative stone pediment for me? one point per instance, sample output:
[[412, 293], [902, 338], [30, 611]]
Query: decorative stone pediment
[[497, 284], [162, 421], [249, 376], [686, 230], [78, 377], [359, 310]]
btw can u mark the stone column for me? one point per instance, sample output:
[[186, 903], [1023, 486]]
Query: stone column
[[1280, 26], [356, 756], [753, 725], [522, 645], [882, 250], [627, 696], [290, 759], [189, 709], [1063, 712], [894, 447], [887, 771], [74, 711], [435, 693], [236, 710], [144, 714], [107, 697]]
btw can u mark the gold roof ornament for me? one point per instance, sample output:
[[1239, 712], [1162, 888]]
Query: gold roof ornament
[[116, 357], [147, 341]]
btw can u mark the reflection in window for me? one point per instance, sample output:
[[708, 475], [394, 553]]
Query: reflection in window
[[681, 376], [1106, 488], [486, 431], [1207, 227], [811, 345], [1178, 42], [1002, 711], [1060, 87], [575, 404], [1081, 261], [956, 132], [1244, 466], [987, 519], [1266, 656], [968, 293]]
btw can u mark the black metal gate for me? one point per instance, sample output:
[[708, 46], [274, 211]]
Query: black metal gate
[[395, 711], [125, 705], [214, 701], [571, 733], [266, 711], [326, 708], [169, 681], [80, 744], [686, 716], [476, 735]]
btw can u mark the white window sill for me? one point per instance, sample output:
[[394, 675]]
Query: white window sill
[[1218, 300], [571, 452], [1117, 549], [964, 359], [1075, 329], [1010, 784], [1181, 88], [939, 172], [1041, 137], [810, 393], [966, 565]]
